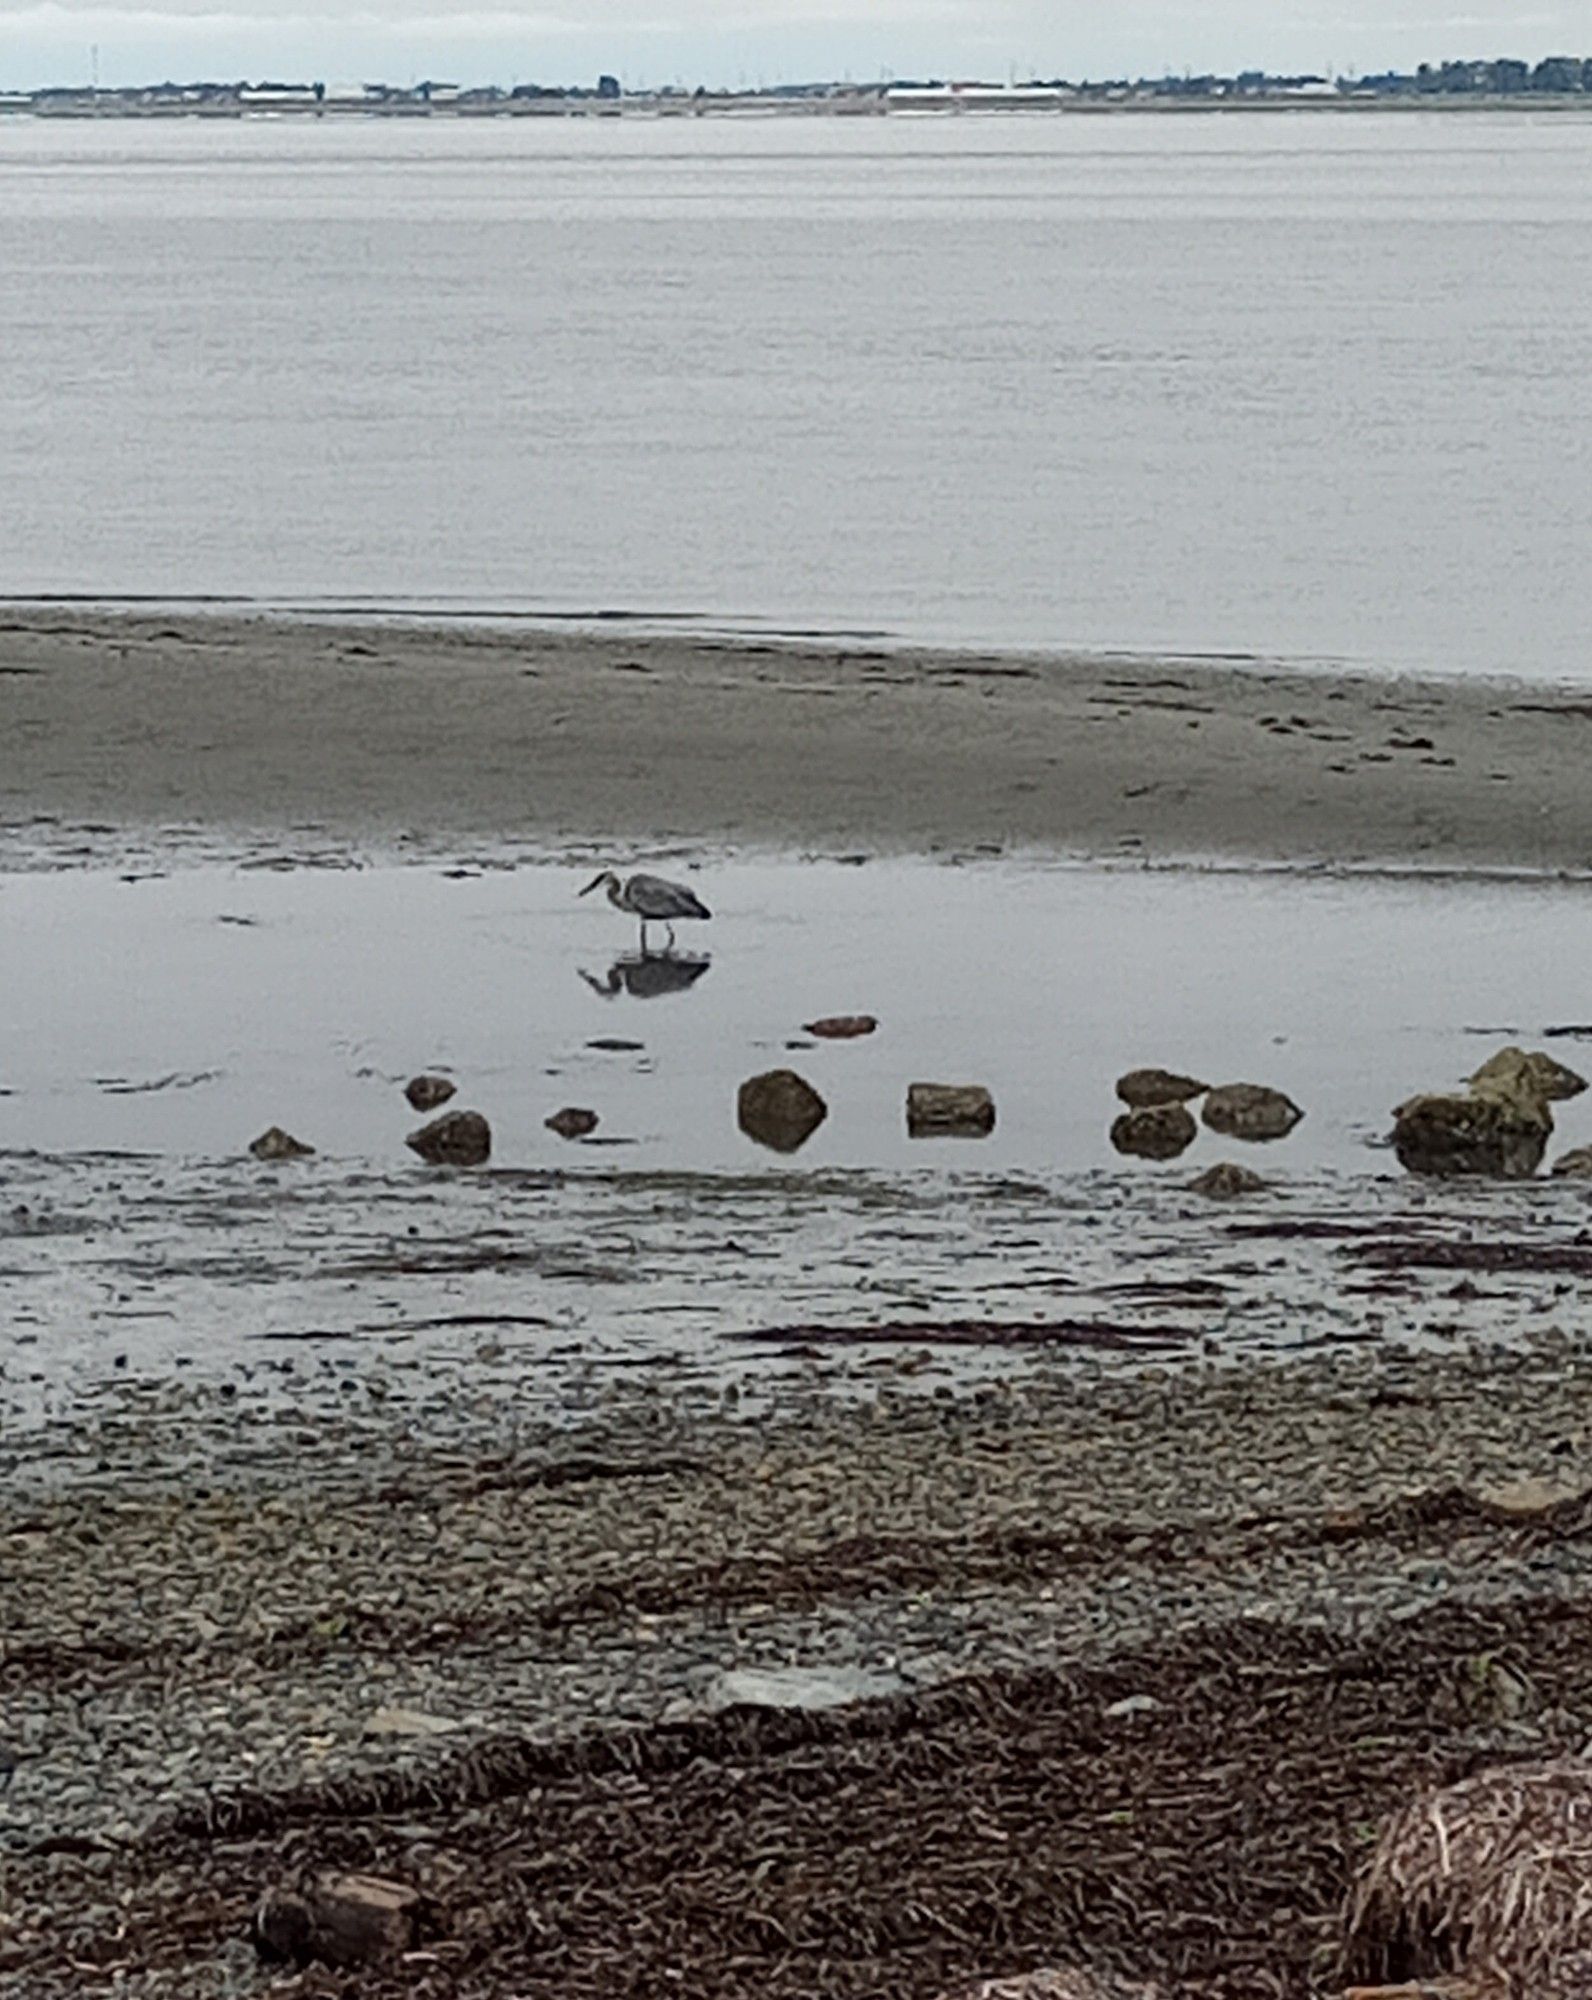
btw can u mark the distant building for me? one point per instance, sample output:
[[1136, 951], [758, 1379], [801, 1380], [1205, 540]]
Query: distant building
[[280, 96], [974, 97]]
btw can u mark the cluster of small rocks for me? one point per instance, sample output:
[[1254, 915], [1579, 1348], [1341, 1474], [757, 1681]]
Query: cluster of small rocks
[[1498, 1127], [1158, 1124], [455, 1139]]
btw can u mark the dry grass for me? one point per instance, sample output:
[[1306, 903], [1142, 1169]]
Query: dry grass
[[1491, 1880]]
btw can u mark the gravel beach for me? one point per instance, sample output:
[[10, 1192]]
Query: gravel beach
[[475, 1664], [825, 1584]]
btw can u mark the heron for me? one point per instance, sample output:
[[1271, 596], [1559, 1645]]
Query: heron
[[652, 899]]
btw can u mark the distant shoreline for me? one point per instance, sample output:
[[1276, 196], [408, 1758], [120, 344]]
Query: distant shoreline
[[211, 737], [86, 108]]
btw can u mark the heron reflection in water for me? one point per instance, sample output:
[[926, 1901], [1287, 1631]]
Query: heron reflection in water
[[648, 975]]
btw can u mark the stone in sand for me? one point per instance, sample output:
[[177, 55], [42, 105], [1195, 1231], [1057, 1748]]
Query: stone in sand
[[949, 1111], [279, 1145], [1057, 1983], [456, 1139], [338, 1920], [1250, 1111], [396, 1721], [1574, 1166], [1514, 1073], [780, 1110], [1155, 1132], [841, 1027], [1141, 1088], [1227, 1181], [425, 1093], [572, 1122]]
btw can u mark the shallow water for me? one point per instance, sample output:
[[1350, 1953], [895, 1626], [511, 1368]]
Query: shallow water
[[152, 1026], [1293, 385], [180, 1015]]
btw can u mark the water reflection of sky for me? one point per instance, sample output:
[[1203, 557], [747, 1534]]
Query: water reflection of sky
[[184, 1014]]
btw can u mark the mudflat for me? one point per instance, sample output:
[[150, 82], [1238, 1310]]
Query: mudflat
[[211, 733]]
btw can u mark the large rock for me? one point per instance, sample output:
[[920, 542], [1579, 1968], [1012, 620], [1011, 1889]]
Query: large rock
[[426, 1093], [780, 1110], [950, 1111], [456, 1139], [1142, 1088], [275, 1144], [1501, 1137], [1155, 1132], [1250, 1111], [1514, 1073], [340, 1920], [1499, 1128], [1227, 1182], [1057, 1983]]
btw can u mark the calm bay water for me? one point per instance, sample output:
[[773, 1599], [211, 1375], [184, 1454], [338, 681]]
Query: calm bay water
[[1306, 386]]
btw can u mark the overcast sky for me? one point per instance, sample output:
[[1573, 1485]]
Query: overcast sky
[[727, 41]]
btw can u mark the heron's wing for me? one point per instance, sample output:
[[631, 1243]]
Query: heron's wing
[[652, 896]]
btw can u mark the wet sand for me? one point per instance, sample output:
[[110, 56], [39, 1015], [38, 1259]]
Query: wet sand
[[315, 740]]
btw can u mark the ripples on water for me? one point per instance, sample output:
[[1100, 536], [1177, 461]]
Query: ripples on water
[[1303, 385]]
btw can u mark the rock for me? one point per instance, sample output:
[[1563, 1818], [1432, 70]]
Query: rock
[[1425, 1989], [806, 1688], [1057, 1984], [780, 1110], [1143, 1088], [279, 1145], [1575, 1166], [572, 1122], [456, 1139], [949, 1111], [1501, 1137], [1511, 1500], [1227, 1182], [425, 1093], [841, 1027], [1513, 1073], [1250, 1111], [407, 1722], [339, 1920], [1155, 1131], [1132, 1704]]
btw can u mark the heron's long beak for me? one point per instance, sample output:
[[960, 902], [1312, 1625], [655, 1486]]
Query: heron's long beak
[[596, 883]]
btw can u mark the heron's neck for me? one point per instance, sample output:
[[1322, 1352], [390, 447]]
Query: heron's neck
[[615, 892]]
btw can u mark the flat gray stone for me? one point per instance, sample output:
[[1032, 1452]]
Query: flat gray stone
[[802, 1687]]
